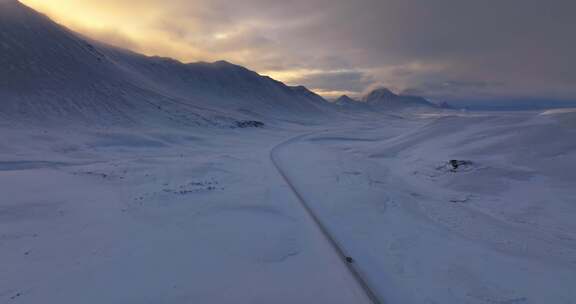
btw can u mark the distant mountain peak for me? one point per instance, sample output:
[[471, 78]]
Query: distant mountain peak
[[385, 97], [345, 100], [383, 90], [378, 95]]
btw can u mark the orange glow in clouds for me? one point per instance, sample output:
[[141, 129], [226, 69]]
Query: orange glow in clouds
[[138, 25]]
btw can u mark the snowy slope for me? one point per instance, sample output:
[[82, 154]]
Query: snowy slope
[[219, 84], [159, 217], [499, 229], [51, 73]]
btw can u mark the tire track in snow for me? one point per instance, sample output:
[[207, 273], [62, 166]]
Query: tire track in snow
[[354, 271]]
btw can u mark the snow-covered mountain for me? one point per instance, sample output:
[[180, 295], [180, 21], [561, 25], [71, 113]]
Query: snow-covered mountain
[[345, 100], [50, 73], [384, 98]]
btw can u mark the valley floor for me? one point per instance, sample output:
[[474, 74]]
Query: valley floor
[[172, 217]]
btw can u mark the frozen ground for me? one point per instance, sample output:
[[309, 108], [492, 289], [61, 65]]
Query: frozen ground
[[182, 198], [163, 216]]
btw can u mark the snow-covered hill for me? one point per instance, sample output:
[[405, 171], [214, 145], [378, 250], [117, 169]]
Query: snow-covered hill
[[499, 228], [50, 73]]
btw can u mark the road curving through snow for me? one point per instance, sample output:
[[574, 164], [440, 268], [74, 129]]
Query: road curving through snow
[[345, 259]]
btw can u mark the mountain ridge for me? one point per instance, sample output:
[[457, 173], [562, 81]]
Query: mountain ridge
[[53, 73], [384, 98]]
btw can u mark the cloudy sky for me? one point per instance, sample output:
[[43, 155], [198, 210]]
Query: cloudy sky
[[453, 50]]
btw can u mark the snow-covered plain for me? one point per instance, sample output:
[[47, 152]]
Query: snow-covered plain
[[117, 216], [500, 230], [157, 218], [134, 179]]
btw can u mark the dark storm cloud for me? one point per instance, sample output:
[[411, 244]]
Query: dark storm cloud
[[456, 49], [526, 44]]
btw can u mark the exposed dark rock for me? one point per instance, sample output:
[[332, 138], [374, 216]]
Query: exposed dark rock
[[249, 124], [455, 164]]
